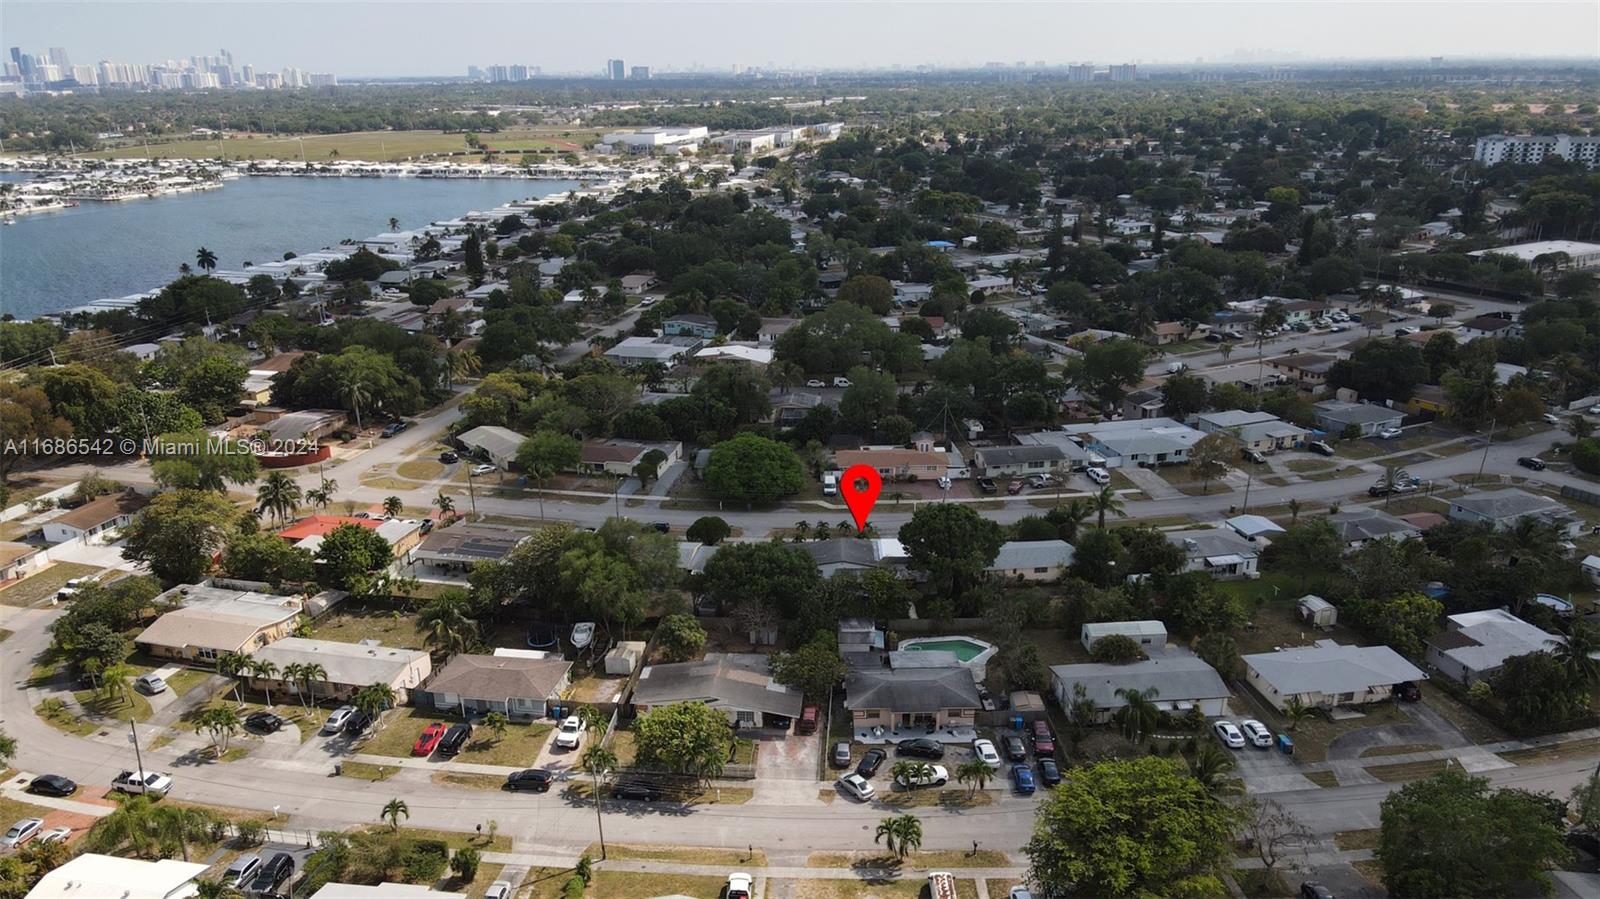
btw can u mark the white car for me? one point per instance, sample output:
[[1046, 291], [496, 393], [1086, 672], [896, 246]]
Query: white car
[[933, 776], [479, 470], [1098, 475], [1552, 419], [943, 482], [1256, 733], [21, 832], [571, 730], [841, 382], [1594, 410], [1019, 893], [857, 786], [1228, 734], [56, 835], [500, 889], [816, 382], [151, 684], [984, 749], [1390, 433], [738, 886], [337, 718]]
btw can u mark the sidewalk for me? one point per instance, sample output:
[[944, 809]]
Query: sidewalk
[[649, 866]]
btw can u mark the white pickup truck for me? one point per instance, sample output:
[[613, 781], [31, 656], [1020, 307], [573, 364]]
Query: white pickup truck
[[142, 782]]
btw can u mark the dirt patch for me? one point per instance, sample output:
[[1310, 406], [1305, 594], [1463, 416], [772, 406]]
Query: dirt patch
[[1350, 840], [1408, 770]]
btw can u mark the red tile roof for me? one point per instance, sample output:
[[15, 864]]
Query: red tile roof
[[320, 525]]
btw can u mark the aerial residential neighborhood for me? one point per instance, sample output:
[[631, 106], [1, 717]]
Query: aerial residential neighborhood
[[868, 472]]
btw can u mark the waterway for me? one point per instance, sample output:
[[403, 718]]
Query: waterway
[[53, 261]]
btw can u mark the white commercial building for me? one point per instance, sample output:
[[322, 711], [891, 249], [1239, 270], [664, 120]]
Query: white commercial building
[[660, 136], [1581, 255], [1528, 149]]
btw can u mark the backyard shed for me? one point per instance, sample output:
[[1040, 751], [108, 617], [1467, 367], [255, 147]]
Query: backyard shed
[[1317, 612]]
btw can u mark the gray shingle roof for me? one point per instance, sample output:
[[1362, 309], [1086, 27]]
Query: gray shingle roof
[[912, 690], [1175, 676], [500, 677], [1013, 455], [1018, 554], [724, 679], [1509, 504], [1370, 524]]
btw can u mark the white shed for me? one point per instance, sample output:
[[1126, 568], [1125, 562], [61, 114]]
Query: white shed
[[1148, 634], [625, 657], [1591, 567], [1317, 612]]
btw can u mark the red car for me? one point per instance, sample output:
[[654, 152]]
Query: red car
[[1043, 743], [429, 741]]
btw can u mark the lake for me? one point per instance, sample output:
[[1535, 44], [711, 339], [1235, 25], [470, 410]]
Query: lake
[[51, 261]]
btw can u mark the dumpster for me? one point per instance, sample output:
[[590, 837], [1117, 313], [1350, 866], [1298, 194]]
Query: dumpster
[[1285, 744]]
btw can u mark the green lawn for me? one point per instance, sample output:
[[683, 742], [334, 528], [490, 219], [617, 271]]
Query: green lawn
[[45, 584], [131, 705], [1271, 587], [389, 628], [55, 714], [520, 745], [546, 883]]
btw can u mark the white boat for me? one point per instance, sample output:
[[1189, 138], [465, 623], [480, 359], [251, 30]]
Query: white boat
[[582, 634]]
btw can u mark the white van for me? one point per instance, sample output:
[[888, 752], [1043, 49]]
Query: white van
[[830, 484]]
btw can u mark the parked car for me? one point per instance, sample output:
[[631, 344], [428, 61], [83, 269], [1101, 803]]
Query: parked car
[[984, 749], [21, 832], [1015, 487], [1049, 772], [943, 482], [152, 684], [1532, 462], [739, 883], [1015, 750], [661, 527], [273, 875], [536, 779], [637, 790], [841, 382], [52, 785], [56, 835], [1228, 734], [264, 722], [1253, 456], [1098, 475], [1019, 893], [841, 754], [1551, 418], [136, 782], [1256, 733], [448, 457], [1040, 481], [857, 786], [1320, 447], [815, 383], [455, 739], [241, 870], [870, 762], [570, 734], [357, 724], [931, 776], [337, 718], [391, 429], [500, 889], [1310, 890], [1022, 778], [429, 740], [1044, 743], [483, 469], [920, 748], [986, 485], [808, 721], [1408, 691], [1390, 433]]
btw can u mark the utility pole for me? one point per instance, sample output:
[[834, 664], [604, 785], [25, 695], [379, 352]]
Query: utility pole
[[138, 757], [472, 495], [1489, 442]]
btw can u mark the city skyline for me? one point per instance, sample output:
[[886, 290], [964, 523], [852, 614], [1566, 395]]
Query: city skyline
[[770, 36]]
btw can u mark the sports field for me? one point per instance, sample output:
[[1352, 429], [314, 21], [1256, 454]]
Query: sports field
[[378, 146]]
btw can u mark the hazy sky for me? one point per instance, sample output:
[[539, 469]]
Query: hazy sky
[[380, 37]]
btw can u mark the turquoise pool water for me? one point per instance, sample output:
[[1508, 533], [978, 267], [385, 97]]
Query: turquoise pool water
[[965, 650]]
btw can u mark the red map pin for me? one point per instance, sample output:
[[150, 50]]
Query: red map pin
[[860, 486]]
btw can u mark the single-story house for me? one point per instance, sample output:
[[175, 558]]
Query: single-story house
[[897, 463], [1504, 508], [636, 284], [1253, 527], [95, 517], [1490, 326], [690, 324], [1334, 416], [304, 428], [461, 546], [905, 698], [1149, 634], [1011, 461], [349, 667], [668, 351], [841, 554], [1220, 552], [518, 687], [93, 875], [1138, 442], [1260, 431], [739, 684], [1591, 567], [213, 622], [1309, 371], [620, 457], [1359, 526], [18, 560], [1474, 645], [496, 444], [402, 534], [1031, 560], [1180, 680], [1165, 333], [737, 352], [1327, 674], [385, 890], [1297, 311]]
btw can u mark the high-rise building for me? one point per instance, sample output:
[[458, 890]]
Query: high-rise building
[[1128, 72], [249, 75], [1532, 149], [519, 73], [1084, 72], [639, 73], [614, 70], [58, 58], [475, 73]]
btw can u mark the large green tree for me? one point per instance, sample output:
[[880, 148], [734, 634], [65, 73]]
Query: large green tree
[[952, 543], [179, 533], [684, 738], [751, 469]]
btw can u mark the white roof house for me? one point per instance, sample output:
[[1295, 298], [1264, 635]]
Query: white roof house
[[1474, 645], [1220, 552], [1032, 560], [1181, 681], [381, 891], [1328, 674], [1504, 508], [1251, 527], [93, 876], [1145, 633], [499, 444], [349, 666]]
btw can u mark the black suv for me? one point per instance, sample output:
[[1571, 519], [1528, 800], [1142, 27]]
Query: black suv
[[357, 724], [273, 875], [1015, 750], [921, 748], [535, 779], [454, 739], [1531, 462], [637, 790], [264, 722], [987, 485]]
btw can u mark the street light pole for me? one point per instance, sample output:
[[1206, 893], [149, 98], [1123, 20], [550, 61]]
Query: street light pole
[[1486, 445]]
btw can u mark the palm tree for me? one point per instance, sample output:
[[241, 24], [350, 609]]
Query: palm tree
[[392, 507], [1295, 711], [184, 269], [447, 626], [496, 722], [1070, 517], [445, 503], [237, 666], [593, 720], [460, 362], [901, 835], [912, 774], [221, 724], [261, 670], [129, 827], [177, 826], [115, 680], [1213, 768], [291, 674], [373, 699], [310, 673], [278, 496], [597, 762], [1140, 715], [206, 259], [353, 393], [1294, 510], [215, 889], [802, 529], [394, 811], [976, 773], [1576, 653], [1107, 501]]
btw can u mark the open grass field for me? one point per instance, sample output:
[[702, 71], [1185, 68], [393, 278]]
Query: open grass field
[[376, 146], [45, 584], [399, 631]]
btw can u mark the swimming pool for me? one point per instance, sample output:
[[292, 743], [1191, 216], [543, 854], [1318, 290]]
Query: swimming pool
[[969, 651]]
